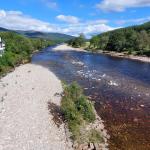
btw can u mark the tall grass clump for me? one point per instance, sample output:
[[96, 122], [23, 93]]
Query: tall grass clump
[[77, 109]]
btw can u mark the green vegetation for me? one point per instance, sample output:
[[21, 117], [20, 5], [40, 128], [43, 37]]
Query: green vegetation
[[131, 40], [56, 37], [94, 136], [78, 41], [18, 49], [79, 112]]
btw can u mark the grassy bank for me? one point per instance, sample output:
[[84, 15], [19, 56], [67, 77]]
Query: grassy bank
[[79, 113], [18, 50]]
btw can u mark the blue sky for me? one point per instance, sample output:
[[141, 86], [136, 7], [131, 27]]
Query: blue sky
[[73, 16]]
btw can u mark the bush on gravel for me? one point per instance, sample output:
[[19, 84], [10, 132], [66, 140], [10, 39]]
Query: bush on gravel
[[77, 109]]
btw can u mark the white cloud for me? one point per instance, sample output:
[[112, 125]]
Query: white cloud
[[75, 27], [16, 20], [133, 21], [89, 28], [2, 13], [68, 19], [100, 21], [50, 4], [121, 5]]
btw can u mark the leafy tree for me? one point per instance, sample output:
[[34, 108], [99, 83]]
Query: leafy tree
[[103, 42], [18, 49], [116, 41], [94, 42], [134, 40], [78, 41], [143, 41]]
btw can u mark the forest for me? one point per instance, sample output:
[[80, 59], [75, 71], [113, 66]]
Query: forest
[[131, 40], [19, 49], [78, 41]]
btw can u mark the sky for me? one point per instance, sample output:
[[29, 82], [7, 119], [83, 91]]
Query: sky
[[73, 16]]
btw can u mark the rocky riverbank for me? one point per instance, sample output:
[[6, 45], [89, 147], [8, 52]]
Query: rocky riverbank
[[25, 121], [65, 47], [97, 125], [123, 55]]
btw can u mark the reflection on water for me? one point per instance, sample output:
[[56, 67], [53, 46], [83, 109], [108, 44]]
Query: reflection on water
[[119, 87]]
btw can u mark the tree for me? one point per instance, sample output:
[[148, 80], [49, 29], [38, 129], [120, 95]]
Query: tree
[[143, 42], [116, 41], [94, 42], [78, 41], [18, 49], [134, 40], [103, 42]]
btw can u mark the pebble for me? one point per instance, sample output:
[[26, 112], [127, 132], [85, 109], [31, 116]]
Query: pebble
[[26, 111], [1, 147], [141, 105]]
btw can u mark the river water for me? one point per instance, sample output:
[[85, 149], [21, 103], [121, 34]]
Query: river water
[[119, 87]]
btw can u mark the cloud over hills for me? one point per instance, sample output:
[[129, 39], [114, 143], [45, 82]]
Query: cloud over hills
[[16, 20]]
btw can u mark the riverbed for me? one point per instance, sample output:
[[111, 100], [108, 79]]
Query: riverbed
[[119, 87]]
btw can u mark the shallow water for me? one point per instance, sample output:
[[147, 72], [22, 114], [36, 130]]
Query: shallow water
[[120, 88]]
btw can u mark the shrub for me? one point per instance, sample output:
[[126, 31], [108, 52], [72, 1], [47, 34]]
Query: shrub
[[95, 136], [77, 109], [18, 49], [85, 108]]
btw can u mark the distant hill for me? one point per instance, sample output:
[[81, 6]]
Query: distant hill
[[138, 28], [51, 36], [131, 40], [58, 37], [3, 29]]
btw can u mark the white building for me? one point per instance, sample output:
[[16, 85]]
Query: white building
[[2, 47]]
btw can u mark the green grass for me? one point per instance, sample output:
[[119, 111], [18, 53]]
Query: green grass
[[79, 112], [95, 137]]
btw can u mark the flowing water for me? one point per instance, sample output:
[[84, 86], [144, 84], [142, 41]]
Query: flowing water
[[119, 87]]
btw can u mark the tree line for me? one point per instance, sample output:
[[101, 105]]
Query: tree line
[[78, 41], [19, 49], [131, 40]]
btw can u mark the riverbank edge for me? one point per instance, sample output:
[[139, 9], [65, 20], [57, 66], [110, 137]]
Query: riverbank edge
[[24, 61], [115, 54], [98, 123], [123, 55], [21, 71], [63, 127]]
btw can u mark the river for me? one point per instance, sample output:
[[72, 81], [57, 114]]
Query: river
[[119, 87]]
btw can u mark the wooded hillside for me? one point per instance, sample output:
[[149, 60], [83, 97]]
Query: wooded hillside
[[133, 40]]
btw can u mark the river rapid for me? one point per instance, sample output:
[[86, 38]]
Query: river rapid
[[119, 87]]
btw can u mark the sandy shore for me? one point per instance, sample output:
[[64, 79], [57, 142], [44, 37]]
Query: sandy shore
[[25, 122], [65, 47]]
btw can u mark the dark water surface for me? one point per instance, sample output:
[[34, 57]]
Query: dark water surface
[[119, 87]]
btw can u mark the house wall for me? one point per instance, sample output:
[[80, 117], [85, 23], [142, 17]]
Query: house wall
[[2, 47]]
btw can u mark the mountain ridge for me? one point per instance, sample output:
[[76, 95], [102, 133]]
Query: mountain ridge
[[59, 37]]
